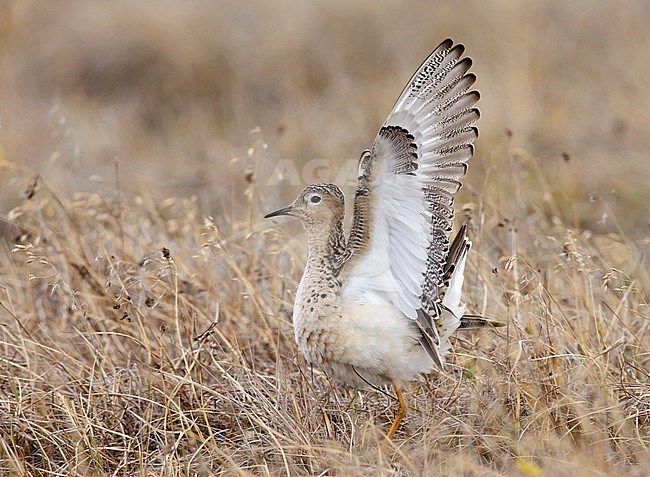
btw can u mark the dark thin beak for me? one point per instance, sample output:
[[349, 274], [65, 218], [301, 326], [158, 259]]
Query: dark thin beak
[[284, 211]]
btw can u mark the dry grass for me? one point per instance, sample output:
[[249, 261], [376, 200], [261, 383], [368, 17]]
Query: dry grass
[[118, 358], [139, 336]]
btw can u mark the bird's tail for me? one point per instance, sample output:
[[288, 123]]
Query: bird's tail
[[474, 322]]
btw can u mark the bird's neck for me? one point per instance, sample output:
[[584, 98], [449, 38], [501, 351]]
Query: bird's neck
[[326, 244], [320, 284]]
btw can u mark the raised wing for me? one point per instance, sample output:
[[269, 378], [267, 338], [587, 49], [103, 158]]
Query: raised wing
[[404, 201]]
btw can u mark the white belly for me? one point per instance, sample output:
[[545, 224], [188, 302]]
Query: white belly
[[361, 344]]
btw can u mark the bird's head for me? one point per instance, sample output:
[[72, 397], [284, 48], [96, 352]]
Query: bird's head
[[317, 205]]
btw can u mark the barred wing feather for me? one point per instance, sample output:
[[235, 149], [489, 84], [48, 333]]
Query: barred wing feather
[[403, 211]]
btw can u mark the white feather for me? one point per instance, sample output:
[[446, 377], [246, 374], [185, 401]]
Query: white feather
[[452, 299], [396, 260]]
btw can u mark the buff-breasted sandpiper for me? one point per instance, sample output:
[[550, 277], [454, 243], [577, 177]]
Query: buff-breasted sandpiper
[[379, 308]]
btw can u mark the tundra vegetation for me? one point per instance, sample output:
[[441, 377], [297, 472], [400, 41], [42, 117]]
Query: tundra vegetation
[[145, 306]]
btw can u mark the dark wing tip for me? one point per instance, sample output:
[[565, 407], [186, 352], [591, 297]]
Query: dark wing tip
[[459, 50], [465, 63], [445, 44]]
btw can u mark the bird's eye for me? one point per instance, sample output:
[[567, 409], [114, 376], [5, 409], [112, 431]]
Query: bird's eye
[[315, 199]]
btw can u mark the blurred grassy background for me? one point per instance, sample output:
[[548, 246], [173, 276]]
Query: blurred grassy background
[[172, 92]]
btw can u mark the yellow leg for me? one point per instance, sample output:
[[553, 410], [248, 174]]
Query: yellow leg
[[401, 412]]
